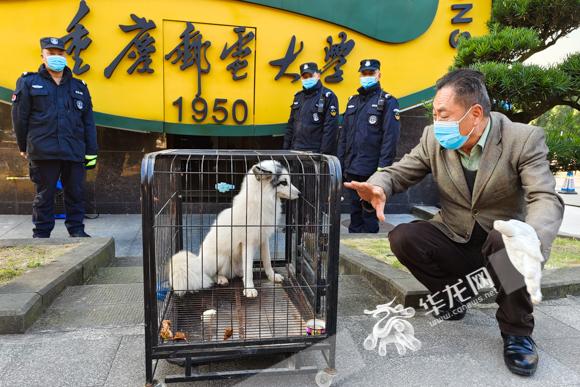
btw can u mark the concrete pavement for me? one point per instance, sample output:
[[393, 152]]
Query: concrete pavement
[[92, 335]]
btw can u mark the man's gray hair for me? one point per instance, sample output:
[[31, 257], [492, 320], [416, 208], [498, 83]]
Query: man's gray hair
[[469, 87]]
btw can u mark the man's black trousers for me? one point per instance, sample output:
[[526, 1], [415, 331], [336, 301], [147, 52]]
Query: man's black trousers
[[436, 261], [44, 174]]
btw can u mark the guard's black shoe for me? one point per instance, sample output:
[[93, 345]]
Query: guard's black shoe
[[40, 236], [456, 313], [80, 234], [520, 354]]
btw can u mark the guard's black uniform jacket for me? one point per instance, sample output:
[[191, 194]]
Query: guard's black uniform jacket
[[313, 123], [370, 131], [53, 122]]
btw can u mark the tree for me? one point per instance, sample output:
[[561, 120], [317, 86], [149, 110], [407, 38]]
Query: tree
[[562, 126], [517, 30]]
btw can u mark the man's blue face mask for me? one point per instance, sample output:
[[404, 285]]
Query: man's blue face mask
[[309, 83], [56, 62], [448, 134], [368, 81]]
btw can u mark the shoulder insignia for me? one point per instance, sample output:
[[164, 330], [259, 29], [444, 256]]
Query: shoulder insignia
[[27, 73], [333, 111], [328, 94]]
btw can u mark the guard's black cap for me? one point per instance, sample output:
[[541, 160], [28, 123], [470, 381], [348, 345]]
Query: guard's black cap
[[369, 64], [52, 43], [309, 67]]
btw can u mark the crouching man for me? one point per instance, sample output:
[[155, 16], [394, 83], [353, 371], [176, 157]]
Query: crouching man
[[486, 168]]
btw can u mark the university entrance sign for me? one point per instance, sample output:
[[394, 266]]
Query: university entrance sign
[[230, 68]]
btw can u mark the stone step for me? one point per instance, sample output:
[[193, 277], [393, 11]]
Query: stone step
[[127, 261], [118, 275], [93, 306]]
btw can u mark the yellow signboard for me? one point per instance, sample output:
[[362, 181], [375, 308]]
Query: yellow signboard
[[227, 67]]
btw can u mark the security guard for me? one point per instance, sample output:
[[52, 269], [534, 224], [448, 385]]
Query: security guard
[[53, 119], [313, 123], [368, 139]]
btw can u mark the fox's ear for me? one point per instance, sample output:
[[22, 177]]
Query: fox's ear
[[261, 173]]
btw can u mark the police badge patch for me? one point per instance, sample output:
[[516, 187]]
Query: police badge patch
[[315, 117], [14, 97], [397, 114], [54, 40], [333, 111], [79, 104], [372, 119]]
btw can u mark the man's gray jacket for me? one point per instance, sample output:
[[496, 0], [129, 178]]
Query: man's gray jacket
[[513, 182]]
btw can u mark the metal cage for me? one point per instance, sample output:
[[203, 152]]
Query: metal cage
[[183, 191]]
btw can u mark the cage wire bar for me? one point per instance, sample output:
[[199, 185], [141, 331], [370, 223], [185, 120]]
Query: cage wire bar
[[183, 191]]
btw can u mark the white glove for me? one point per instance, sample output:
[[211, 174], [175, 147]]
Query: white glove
[[523, 249]]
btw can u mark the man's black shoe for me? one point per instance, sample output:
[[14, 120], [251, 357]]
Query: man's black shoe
[[520, 354], [80, 234], [458, 311]]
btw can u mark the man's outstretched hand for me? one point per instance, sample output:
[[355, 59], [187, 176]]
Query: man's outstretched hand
[[372, 194]]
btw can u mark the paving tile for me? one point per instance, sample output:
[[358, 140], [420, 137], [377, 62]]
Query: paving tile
[[62, 362]]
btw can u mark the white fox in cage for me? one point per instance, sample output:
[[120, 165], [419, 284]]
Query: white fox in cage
[[242, 231]]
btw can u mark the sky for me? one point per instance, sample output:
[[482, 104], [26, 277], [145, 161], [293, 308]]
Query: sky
[[558, 52]]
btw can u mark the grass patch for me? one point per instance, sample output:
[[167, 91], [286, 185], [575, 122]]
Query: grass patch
[[565, 252], [375, 247], [17, 260]]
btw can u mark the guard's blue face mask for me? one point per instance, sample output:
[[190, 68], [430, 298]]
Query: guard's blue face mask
[[368, 81], [309, 83], [448, 134], [56, 62]]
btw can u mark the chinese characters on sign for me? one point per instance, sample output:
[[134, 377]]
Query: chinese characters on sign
[[335, 56], [287, 60], [77, 39], [192, 50], [139, 48], [240, 52]]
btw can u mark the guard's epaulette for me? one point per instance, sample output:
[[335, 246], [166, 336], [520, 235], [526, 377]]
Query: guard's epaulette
[[80, 80], [349, 98], [27, 73], [328, 93]]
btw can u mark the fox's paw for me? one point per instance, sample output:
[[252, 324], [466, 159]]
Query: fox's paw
[[222, 281], [251, 293], [275, 277]]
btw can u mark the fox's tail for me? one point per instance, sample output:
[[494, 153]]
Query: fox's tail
[[186, 273]]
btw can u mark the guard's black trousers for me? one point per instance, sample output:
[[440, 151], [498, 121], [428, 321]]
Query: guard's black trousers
[[436, 261], [44, 174], [361, 221]]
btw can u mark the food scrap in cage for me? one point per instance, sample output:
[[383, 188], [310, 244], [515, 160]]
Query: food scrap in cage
[[228, 332], [166, 333], [238, 234]]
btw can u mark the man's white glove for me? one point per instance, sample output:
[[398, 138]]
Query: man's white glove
[[523, 249]]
